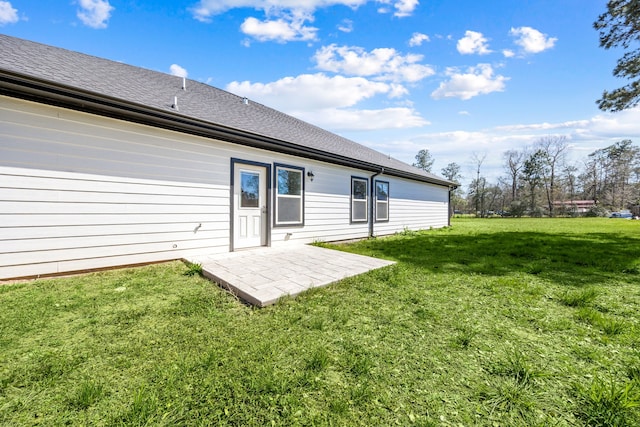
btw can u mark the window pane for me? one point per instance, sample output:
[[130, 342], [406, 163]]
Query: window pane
[[249, 189], [382, 210], [359, 210], [359, 189], [382, 191], [289, 182], [289, 209]]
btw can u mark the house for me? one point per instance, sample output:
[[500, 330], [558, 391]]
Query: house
[[574, 206], [104, 164]]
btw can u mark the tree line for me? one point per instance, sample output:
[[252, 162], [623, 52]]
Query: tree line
[[539, 180]]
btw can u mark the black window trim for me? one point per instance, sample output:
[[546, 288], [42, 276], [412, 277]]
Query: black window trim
[[376, 201], [366, 181], [275, 195]]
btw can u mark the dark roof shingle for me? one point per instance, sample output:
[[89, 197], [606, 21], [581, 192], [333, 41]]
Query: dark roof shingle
[[156, 90]]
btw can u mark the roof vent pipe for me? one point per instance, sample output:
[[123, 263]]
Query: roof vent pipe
[[184, 83], [175, 103], [245, 100]]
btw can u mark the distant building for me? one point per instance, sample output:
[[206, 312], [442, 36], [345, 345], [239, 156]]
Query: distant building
[[575, 206]]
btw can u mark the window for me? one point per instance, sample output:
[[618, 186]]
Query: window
[[289, 195], [382, 201], [359, 200], [249, 189]]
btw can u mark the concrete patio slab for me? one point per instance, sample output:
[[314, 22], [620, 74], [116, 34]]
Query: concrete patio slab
[[261, 276]]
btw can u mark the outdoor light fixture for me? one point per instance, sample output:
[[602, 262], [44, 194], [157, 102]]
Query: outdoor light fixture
[[310, 175]]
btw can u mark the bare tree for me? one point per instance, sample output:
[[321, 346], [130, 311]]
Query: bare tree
[[513, 163], [478, 185], [623, 157], [569, 179], [609, 174], [452, 173], [554, 152], [494, 198], [477, 195], [592, 177]]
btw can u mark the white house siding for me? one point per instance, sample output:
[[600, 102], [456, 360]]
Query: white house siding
[[78, 191], [327, 206], [414, 206], [54, 222]]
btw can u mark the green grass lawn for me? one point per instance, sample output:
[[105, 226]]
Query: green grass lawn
[[500, 322]]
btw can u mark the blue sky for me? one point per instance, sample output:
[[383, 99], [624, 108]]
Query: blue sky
[[454, 77]]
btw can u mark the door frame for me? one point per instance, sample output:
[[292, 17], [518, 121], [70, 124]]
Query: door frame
[[232, 225]]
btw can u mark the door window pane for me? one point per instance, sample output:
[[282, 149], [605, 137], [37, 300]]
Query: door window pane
[[250, 189]]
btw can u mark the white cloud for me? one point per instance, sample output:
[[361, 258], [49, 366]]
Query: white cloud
[[205, 9], [285, 19], [532, 40], [545, 127], [405, 7], [177, 70], [284, 29], [459, 146], [328, 101], [397, 91], [364, 120], [310, 92], [381, 63], [583, 137], [346, 26], [614, 126], [508, 53], [478, 80], [95, 13], [473, 42], [417, 39], [8, 15]]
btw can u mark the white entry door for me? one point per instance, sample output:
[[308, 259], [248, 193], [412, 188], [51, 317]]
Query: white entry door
[[250, 206]]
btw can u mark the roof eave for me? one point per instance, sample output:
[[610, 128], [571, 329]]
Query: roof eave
[[39, 90]]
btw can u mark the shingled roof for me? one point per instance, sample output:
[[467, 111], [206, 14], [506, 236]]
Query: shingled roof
[[62, 77]]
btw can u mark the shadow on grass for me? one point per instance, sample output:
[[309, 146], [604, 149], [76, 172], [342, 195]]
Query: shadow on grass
[[572, 259]]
